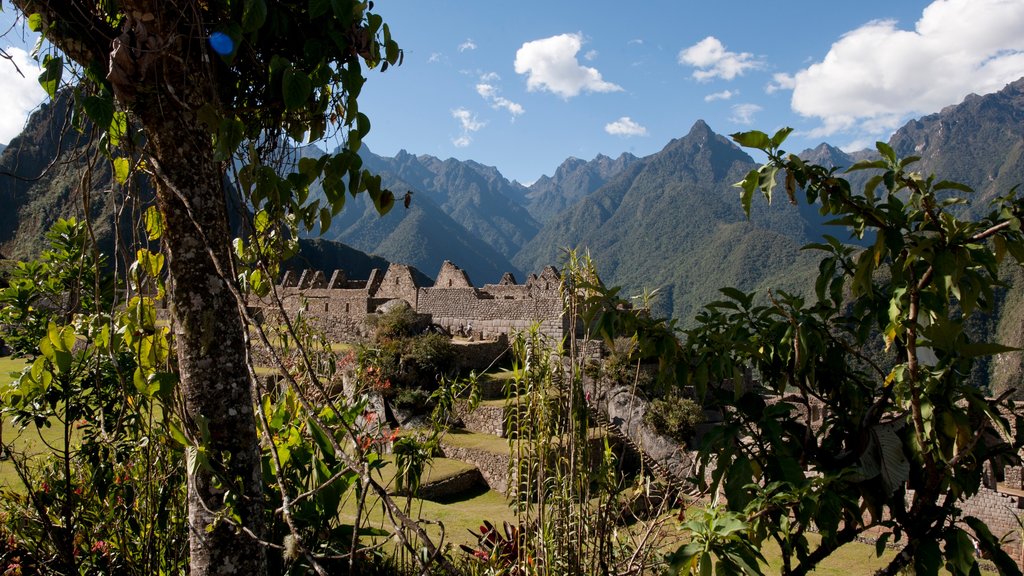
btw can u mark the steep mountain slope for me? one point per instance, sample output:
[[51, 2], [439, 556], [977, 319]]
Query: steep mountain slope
[[673, 221], [979, 141], [421, 235], [573, 180], [46, 173], [475, 196], [49, 171]]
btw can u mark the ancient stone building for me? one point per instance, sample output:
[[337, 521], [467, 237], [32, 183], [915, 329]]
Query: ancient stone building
[[340, 307]]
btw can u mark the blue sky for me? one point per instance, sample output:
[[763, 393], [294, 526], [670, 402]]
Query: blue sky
[[524, 85]]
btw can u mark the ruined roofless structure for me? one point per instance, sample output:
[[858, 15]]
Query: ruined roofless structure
[[340, 306]]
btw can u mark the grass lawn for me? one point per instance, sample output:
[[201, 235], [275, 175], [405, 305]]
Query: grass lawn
[[486, 442], [29, 441]]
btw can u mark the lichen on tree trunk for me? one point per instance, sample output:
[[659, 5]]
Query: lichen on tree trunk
[[160, 72]]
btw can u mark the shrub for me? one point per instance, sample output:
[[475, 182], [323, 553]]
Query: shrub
[[674, 416], [431, 354], [397, 322]]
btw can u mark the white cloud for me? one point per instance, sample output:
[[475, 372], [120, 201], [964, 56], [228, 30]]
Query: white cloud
[[744, 113], [590, 55], [469, 124], [723, 95], [625, 126], [550, 64], [434, 58], [637, 41], [20, 95], [780, 81], [876, 76], [489, 92], [490, 77], [712, 60], [467, 45]]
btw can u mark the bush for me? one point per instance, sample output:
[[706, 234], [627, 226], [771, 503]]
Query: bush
[[431, 354], [675, 417], [397, 322]]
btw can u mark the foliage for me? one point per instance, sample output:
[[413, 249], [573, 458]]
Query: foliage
[[398, 322], [566, 484], [896, 446], [718, 531], [674, 416], [109, 496]]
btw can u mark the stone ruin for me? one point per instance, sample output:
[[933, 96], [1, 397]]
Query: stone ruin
[[342, 307]]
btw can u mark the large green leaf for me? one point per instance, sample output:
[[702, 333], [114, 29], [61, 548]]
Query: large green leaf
[[295, 88]]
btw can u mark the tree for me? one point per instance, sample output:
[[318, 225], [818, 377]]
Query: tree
[[902, 435], [184, 90]]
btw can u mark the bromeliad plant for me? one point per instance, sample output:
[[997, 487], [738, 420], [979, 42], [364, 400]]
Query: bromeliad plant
[[903, 436]]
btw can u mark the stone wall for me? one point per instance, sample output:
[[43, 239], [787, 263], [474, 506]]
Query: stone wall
[[486, 419], [493, 467], [339, 306]]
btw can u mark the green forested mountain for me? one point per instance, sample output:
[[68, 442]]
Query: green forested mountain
[[41, 180], [422, 235], [475, 196], [52, 171], [979, 142], [673, 222], [572, 181]]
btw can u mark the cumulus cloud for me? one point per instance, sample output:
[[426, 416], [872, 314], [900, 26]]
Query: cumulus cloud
[[723, 95], [551, 64], [744, 113], [590, 55], [877, 75], [712, 60], [625, 126], [467, 45], [20, 94], [468, 124]]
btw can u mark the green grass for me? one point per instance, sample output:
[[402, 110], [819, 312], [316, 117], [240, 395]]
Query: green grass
[[30, 441], [457, 516], [439, 469], [485, 442]]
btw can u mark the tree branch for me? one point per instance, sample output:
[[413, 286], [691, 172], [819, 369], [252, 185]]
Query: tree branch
[[83, 36]]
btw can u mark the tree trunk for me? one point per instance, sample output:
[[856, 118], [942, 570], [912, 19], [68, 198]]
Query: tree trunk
[[166, 95], [160, 70]]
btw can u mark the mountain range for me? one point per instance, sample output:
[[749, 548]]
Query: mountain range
[[669, 222]]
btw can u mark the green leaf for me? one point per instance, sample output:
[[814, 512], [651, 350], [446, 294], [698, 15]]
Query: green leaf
[[747, 187], [753, 139], [99, 109], [886, 151], [118, 128], [35, 22], [49, 78], [948, 185], [254, 14], [321, 438], [881, 543], [977, 349], [318, 8], [121, 169], [295, 88], [154, 223]]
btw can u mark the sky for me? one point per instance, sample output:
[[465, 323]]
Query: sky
[[524, 85]]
